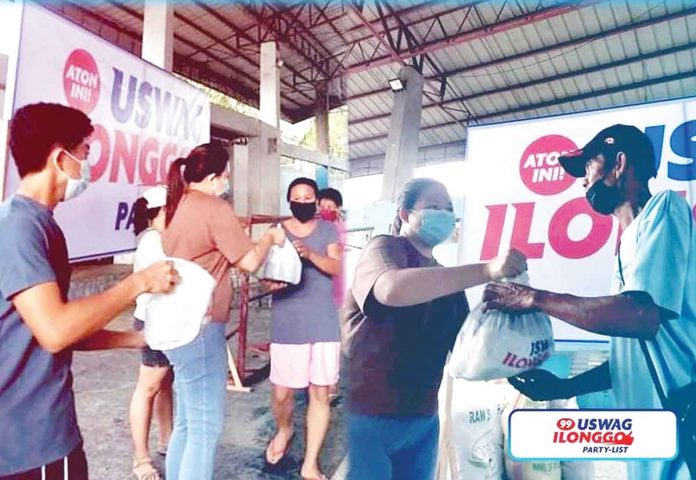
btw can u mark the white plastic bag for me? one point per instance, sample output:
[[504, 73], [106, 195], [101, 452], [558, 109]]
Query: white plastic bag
[[542, 470], [175, 319], [498, 345], [471, 425], [577, 470], [535, 470], [283, 264]]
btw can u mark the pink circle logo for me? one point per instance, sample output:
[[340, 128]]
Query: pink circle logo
[[81, 81], [539, 167]]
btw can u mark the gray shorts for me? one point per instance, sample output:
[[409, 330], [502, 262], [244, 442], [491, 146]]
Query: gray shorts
[[150, 357]]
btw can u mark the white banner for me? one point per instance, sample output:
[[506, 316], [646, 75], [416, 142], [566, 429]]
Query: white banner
[[523, 198], [144, 119], [592, 434]]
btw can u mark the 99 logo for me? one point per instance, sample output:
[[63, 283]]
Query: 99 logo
[[565, 424]]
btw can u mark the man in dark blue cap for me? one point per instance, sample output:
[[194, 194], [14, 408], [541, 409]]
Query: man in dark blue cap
[[654, 295]]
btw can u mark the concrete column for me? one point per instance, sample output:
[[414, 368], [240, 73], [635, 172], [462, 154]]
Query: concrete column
[[158, 33], [402, 143], [269, 101], [240, 179], [264, 150], [321, 122], [321, 115]]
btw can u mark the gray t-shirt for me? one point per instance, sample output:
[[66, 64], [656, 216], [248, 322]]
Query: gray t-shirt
[[396, 354], [38, 424], [306, 313]]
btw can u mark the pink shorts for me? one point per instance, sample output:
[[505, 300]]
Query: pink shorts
[[298, 366]]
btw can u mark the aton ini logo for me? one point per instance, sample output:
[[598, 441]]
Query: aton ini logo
[[81, 81]]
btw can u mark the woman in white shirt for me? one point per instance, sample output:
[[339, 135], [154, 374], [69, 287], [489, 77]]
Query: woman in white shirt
[[154, 388]]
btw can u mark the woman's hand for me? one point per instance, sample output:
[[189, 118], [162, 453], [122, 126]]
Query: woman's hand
[[276, 235], [303, 250], [509, 297], [272, 286], [508, 265]]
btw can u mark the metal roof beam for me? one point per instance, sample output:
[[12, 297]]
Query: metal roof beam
[[401, 28], [398, 13], [549, 48], [218, 41], [339, 34], [550, 103], [282, 28], [384, 38], [544, 80], [419, 62], [327, 19], [469, 35], [252, 41], [328, 58], [401, 12], [249, 95]]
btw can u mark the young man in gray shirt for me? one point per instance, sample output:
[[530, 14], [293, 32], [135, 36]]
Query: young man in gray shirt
[[39, 327]]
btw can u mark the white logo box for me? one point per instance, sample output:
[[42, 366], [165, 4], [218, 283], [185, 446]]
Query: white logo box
[[593, 434]]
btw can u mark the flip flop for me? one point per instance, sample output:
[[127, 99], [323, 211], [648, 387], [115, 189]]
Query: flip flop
[[284, 452], [162, 450], [322, 477], [143, 469]]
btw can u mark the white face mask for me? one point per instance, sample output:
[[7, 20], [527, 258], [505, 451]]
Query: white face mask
[[75, 186], [223, 187]]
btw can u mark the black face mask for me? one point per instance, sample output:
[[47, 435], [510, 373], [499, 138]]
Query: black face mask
[[603, 198], [304, 212]]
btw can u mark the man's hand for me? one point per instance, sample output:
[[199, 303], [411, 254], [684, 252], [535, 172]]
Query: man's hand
[[137, 340], [110, 339], [541, 384], [160, 277], [508, 297], [508, 265]]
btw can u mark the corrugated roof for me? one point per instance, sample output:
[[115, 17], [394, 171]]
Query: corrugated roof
[[599, 55], [500, 60]]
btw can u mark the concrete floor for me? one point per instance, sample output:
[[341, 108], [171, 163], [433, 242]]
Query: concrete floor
[[104, 382]]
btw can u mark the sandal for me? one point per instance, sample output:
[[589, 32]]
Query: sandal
[[320, 477], [145, 470], [283, 453], [162, 450]]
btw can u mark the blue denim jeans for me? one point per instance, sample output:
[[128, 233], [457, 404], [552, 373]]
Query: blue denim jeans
[[200, 383], [392, 447]]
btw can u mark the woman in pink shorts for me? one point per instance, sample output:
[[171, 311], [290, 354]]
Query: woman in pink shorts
[[305, 334]]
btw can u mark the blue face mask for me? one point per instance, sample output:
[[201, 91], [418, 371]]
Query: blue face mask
[[75, 186], [436, 226]]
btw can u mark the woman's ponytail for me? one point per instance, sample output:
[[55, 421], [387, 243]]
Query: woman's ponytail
[[202, 161], [176, 186]]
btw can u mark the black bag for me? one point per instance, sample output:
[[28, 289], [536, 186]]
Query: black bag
[[681, 401]]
